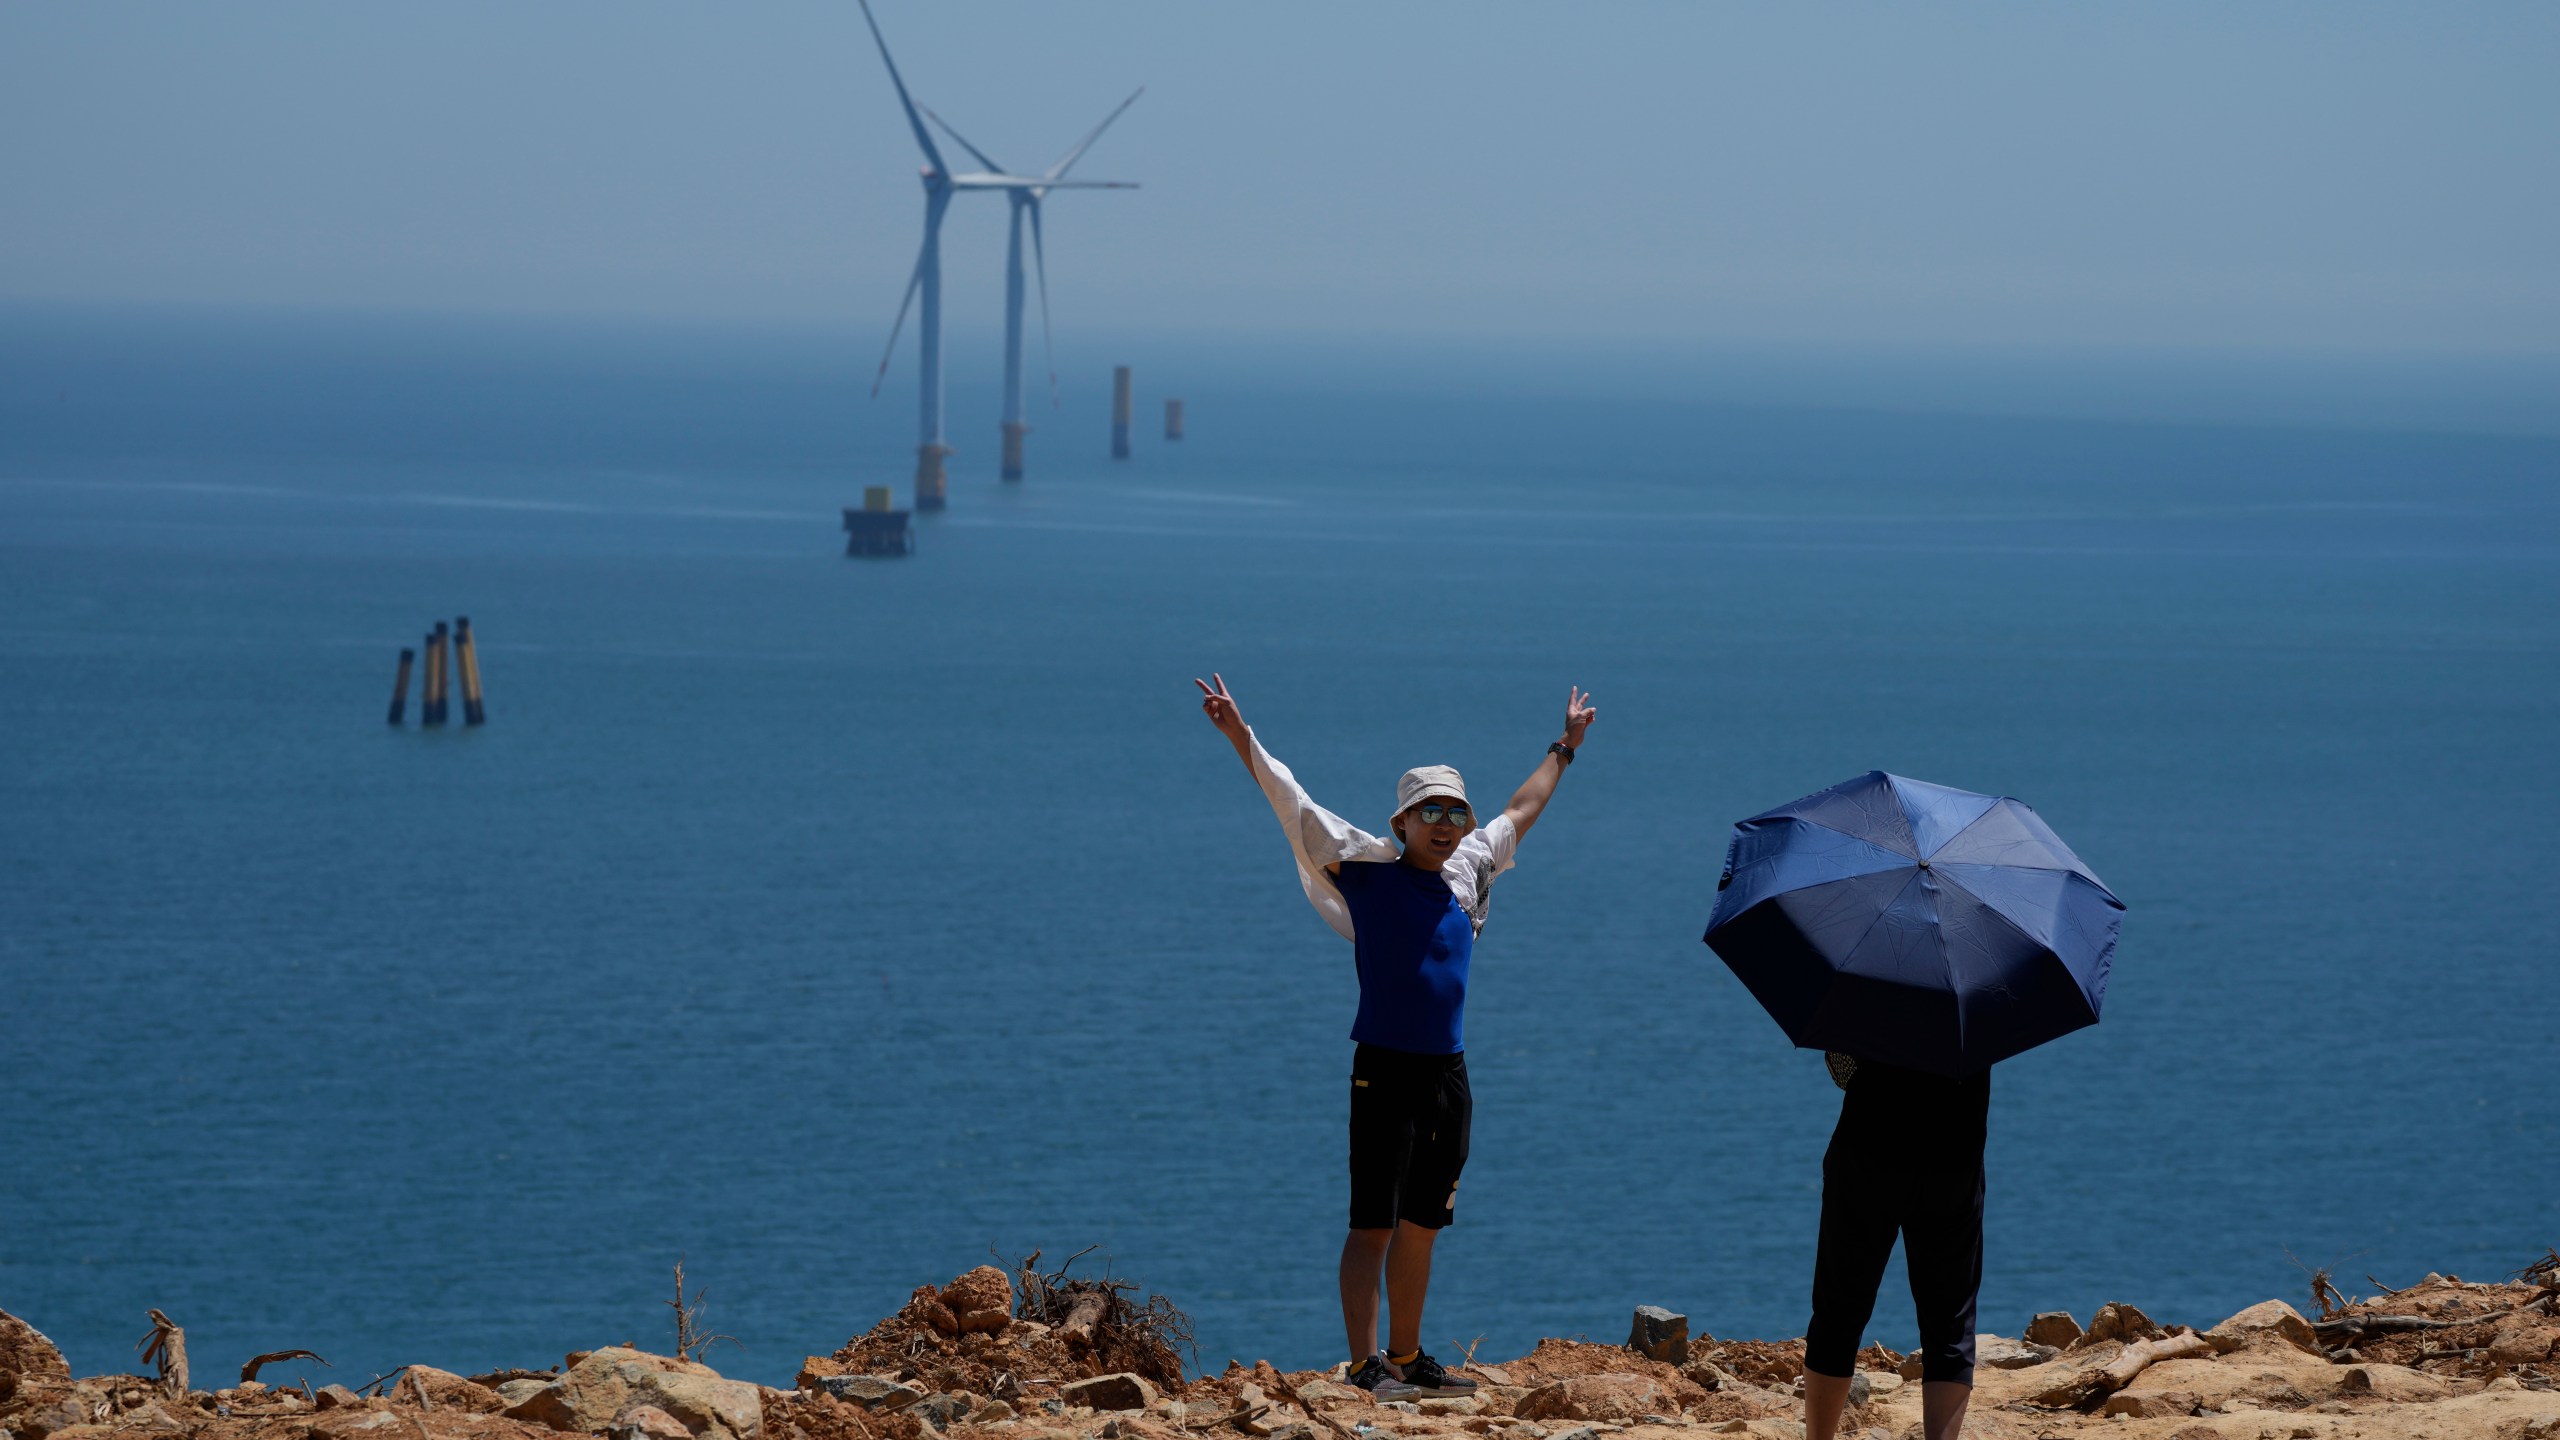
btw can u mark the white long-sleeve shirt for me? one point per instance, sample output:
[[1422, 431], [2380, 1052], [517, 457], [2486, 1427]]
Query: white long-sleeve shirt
[[1318, 838]]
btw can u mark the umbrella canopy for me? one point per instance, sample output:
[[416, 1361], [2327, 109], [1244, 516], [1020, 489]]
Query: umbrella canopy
[[1914, 925]]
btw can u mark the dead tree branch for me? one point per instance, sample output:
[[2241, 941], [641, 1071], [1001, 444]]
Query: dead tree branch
[[166, 1347], [693, 1337], [249, 1371], [2353, 1327], [2088, 1389], [1237, 1416], [1320, 1417]]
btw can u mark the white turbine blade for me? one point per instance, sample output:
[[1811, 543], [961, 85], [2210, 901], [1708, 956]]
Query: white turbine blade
[[924, 138], [914, 279], [981, 155], [1040, 262], [1072, 156]]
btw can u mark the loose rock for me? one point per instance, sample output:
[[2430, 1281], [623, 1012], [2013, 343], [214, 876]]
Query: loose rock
[[2520, 1343], [2116, 1320], [1619, 1397], [1706, 1375], [2053, 1327], [2151, 1404], [981, 1302], [603, 1383], [46, 1420], [1660, 1335], [25, 1354], [872, 1392], [445, 1389], [2393, 1382], [2001, 1353], [1118, 1391], [647, 1422], [2267, 1321]]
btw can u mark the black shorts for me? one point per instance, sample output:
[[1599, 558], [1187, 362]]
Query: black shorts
[[1409, 1120]]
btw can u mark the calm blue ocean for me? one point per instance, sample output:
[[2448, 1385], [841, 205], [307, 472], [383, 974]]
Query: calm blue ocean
[[828, 923]]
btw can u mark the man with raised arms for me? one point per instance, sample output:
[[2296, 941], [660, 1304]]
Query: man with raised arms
[[1411, 906]]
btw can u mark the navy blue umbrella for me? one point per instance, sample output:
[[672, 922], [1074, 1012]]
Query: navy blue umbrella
[[1914, 925]]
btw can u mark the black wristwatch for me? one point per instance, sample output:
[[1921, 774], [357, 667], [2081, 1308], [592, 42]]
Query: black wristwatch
[[1558, 747]]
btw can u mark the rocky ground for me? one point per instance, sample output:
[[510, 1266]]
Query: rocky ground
[[1024, 1357]]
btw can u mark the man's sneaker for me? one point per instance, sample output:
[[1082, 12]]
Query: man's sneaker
[[1424, 1376], [1374, 1377]]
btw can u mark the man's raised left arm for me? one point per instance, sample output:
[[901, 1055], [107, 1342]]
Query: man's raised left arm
[[1530, 800]]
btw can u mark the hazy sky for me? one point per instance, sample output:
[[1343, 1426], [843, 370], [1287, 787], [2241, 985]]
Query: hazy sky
[[2265, 174]]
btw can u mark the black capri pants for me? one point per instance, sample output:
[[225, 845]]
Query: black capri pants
[[1906, 1158], [1410, 1119]]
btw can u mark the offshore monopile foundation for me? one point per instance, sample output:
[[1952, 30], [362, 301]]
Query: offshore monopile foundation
[[431, 702], [933, 484], [466, 664], [400, 685], [1120, 405], [1014, 430]]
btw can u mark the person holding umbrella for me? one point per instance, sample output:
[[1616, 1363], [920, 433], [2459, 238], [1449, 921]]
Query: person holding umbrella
[[1905, 1158], [1921, 934], [1412, 908]]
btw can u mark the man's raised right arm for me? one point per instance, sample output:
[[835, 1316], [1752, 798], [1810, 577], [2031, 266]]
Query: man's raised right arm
[[1320, 838], [1228, 716]]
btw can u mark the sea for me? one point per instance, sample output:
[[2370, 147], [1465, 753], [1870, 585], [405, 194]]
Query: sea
[[831, 926]]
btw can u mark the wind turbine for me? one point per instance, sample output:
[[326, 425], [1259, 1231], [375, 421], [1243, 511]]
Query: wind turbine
[[1026, 193]]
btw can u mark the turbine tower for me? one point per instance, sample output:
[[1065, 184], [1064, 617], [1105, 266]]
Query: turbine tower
[[1026, 193]]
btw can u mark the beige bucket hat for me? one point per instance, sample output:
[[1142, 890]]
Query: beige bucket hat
[[1424, 781]]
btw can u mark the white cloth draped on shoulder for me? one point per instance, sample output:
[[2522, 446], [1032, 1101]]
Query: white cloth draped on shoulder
[[1318, 838]]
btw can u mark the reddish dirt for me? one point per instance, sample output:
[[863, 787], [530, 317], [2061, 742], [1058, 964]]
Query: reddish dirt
[[820, 1416], [1775, 1363]]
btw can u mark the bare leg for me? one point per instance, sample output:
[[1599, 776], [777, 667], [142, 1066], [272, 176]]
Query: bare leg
[[1408, 1277], [1942, 1405], [1363, 1251], [1824, 1398]]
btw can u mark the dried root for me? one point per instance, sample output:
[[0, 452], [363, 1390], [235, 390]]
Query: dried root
[[1096, 1315]]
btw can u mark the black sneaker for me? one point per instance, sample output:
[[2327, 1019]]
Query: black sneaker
[[1373, 1372], [1424, 1376]]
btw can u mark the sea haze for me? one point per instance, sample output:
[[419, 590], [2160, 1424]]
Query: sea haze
[[830, 923]]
